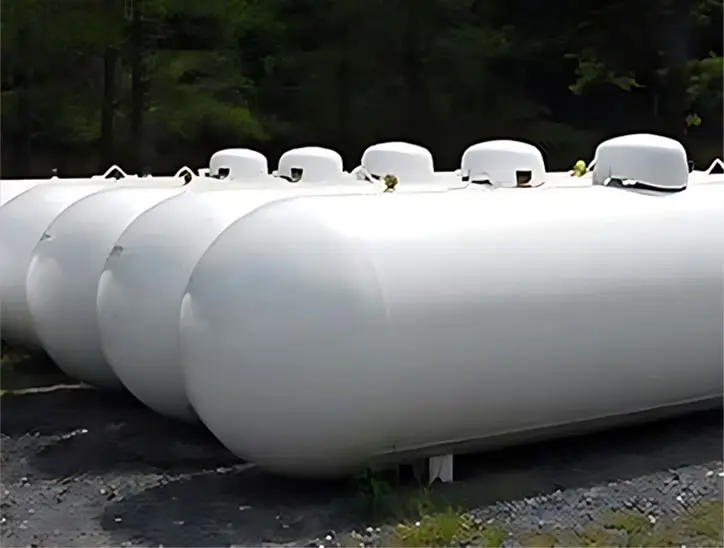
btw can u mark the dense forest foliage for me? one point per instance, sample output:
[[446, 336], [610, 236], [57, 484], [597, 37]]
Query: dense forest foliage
[[155, 84]]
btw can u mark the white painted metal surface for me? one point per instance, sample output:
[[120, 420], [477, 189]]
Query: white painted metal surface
[[22, 223], [10, 188], [407, 161], [162, 247], [62, 278], [238, 163], [140, 290], [203, 184], [143, 281], [311, 164], [504, 163], [659, 161], [141, 287], [319, 332]]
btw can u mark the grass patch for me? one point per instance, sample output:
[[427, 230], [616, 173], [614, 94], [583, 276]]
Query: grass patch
[[702, 526], [418, 516], [446, 527], [541, 540]]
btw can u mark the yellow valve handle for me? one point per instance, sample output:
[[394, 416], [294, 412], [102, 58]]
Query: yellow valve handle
[[579, 168]]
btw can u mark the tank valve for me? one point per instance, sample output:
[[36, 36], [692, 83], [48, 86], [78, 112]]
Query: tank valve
[[390, 182], [579, 169]]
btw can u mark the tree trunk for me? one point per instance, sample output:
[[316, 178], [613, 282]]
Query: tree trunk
[[24, 105], [343, 103], [413, 75], [108, 109], [138, 94], [675, 40]]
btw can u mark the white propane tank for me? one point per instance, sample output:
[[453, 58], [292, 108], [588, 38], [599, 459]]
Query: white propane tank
[[504, 163], [143, 282], [650, 160], [409, 162], [62, 278], [238, 163], [311, 165], [10, 188], [314, 340], [22, 223]]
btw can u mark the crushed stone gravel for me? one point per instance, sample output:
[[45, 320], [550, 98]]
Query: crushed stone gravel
[[85, 468]]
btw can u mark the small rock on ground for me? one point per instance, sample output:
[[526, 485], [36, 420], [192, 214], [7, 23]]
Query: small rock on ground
[[82, 468]]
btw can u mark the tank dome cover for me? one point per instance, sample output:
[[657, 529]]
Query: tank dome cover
[[650, 160], [504, 163], [310, 164], [238, 163], [406, 161]]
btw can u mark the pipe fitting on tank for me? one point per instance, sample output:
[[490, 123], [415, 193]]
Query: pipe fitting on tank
[[390, 182]]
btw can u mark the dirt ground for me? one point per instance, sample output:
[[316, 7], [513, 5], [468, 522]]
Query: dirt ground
[[85, 468]]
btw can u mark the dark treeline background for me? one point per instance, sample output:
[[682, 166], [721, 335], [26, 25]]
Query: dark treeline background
[[156, 84]]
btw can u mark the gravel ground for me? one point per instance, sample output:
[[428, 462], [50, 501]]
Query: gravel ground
[[83, 468]]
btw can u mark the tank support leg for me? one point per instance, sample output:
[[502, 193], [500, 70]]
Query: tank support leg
[[441, 467]]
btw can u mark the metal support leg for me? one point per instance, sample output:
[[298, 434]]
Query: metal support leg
[[441, 467]]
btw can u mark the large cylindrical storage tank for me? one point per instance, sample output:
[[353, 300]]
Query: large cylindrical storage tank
[[10, 188], [62, 278], [143, 282], [22, 222], [144, 279], [320, 332]]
